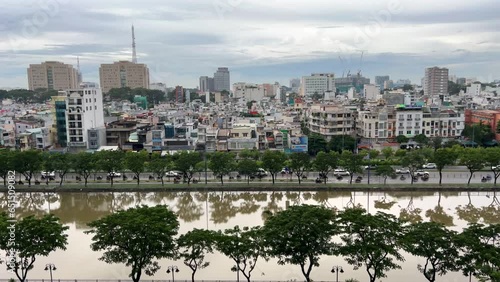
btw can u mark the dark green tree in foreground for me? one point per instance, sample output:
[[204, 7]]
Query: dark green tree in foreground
[[244, 246], [436, 244], [193, 246], [300, 235], [481, 251], [372, 241], [136, 237], [34, 237]]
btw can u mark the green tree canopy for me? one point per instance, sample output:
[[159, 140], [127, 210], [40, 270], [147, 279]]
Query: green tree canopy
[[299, 235], [299, 164], [326, 162], [193, 246], [414, 160], [83, 164], [33, 237], [244, 246], [473, 159], [371, 240], [402, 139], [273, 161], [221, 164], [136, 237], [247, 167], [352, 163], [110, 162], [443, 157], [316, 143], [436, 244], [185, 162], [136, 162]]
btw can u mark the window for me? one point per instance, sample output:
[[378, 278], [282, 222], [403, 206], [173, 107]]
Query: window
[[408, 132], [245, 134], [400, 132]]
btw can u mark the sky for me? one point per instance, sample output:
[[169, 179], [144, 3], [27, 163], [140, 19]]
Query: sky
[[260, 41]]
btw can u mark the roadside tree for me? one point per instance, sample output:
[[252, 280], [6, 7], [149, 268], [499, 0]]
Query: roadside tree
[[443, 157], [136, 162], [413, 160], [474, 159], [352, 163], [273, 162], [185, 162], [221, 164], [326, 162], [300, 163]]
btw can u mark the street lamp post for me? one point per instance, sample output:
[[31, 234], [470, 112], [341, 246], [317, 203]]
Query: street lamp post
[[336, 269], [172, 269], [50, 267]]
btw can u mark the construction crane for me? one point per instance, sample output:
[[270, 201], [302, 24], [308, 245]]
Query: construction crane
[[361, 63]]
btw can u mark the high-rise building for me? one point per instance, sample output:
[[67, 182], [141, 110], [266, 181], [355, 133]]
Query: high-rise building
[[317, 83], [380, 80], [84, 116], [222, 80], [52, 75], [436, 81], [295, 84], [179, 94], [206, 84], [123, 74]]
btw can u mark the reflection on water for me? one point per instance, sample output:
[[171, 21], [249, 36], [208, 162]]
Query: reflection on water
[[221, 210]]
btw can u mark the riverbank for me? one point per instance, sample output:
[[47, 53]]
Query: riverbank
[[257, 187]]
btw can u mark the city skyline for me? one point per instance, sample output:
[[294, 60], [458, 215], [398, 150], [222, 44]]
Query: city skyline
[[259, 41]]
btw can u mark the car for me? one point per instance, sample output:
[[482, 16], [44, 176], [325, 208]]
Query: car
[[341, 172], [429, 166], [402, 171], [370, 166], [48, 173], [114, 174], [171, 174], [421, 172], [261, 172]]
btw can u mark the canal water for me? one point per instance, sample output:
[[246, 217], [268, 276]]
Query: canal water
[[221, 210]]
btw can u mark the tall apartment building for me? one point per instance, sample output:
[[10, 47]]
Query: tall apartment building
[[84, 115], [222, 80], [295, 84], [380, 80], [179, 94], [52, 75], [123, 74], [436, 81], [317, 83], [206, 84], [330, 121], [371, 92]]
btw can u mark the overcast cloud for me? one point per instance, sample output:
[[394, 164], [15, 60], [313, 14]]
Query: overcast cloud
[[259, 40]]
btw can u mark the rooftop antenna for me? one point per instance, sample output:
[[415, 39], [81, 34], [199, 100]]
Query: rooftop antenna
[[134, 54]]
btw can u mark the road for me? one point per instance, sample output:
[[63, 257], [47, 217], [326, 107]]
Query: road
[[450, 176]]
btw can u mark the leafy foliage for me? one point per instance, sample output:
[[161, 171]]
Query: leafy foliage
[[33, 237], [221, 164], [273, 161], [299, 164], [300, 235], [371, 240], [136, 237], [193, 246]]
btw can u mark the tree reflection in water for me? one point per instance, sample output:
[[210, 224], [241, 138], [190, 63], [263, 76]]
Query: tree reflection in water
[[491, 213], [248, 206], [410, 213], [294, 197], [187, 209], [439, 215], [222, 206], [272, 206], [469, 212], [383, 203]]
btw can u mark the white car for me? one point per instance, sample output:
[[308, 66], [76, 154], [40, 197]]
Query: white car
[[171, 174], [495, 167], [421, 173], [261, 172], [341, 172], [114, 174], [402, 171], [48, 173], [429, 166]]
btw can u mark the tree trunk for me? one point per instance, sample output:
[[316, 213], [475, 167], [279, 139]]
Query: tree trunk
[[470, 177], [192, 275], [352, 175], [385, 180], [222, 179], [298, 177], [440, 176], [112, 179], [272, 175], [248, 179], [61, 181], [86, 181], [138, 178], [162, 183]]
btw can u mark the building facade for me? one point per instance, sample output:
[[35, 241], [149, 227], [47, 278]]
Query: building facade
[[84, 111], [123, 74], [380, 80], [52, 75], [222, 80], [371, 92], [179, 94], [317, 83], [330, 121], [206, 84], [436, 81]]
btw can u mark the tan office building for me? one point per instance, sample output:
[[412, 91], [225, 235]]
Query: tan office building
[[53, 76], [123, 74], [436, 81]]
